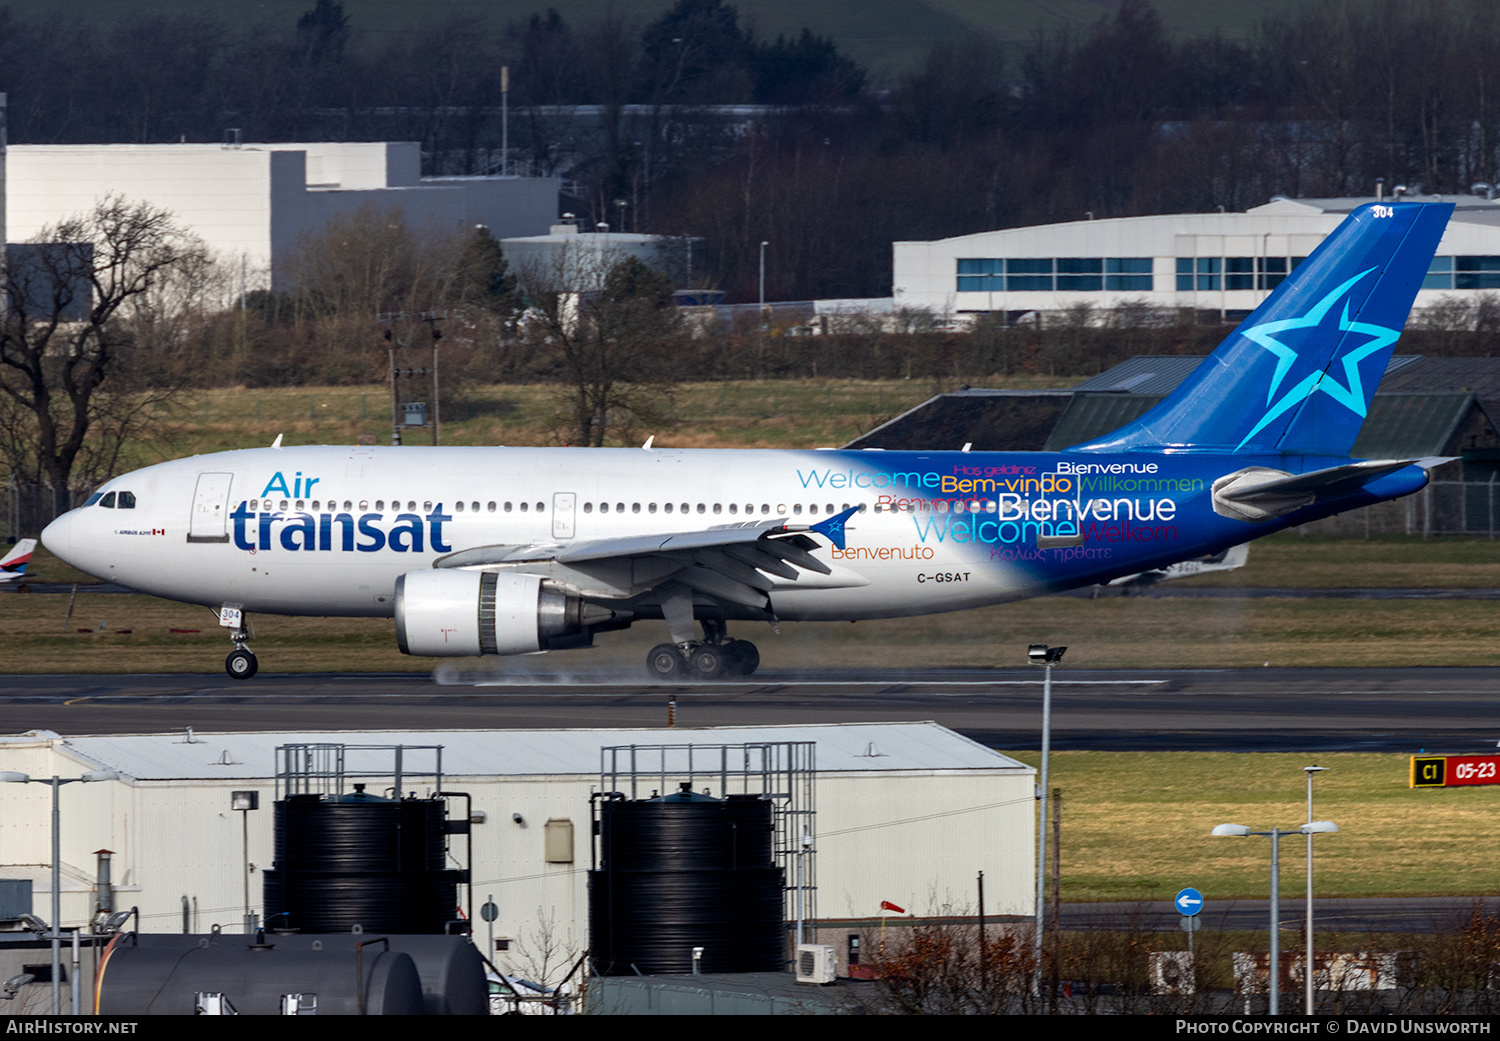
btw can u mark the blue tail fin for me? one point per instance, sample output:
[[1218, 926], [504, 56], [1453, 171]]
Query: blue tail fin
[[1296, 377]]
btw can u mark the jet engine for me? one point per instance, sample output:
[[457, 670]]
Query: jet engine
[[443, 613]]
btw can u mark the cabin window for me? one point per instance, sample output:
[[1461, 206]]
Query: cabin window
[[604, 507], [427, 507], [459, 506], [797, 509], [734, 508], [702, 508], [765, 507], [364, 504], [284, 504], [588, 507], [541, 507], [524, 506], [301, 505], [718, 507], [492, 507], [635, 507], [507, 507], [668, 507], [651, 508], [475, 507]]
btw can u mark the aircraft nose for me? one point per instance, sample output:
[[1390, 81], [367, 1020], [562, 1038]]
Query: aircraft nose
[[57, 537]]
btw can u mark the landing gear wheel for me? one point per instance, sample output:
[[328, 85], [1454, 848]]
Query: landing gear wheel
[[745, 658], [709, 662], [664, 662], [241, 664]]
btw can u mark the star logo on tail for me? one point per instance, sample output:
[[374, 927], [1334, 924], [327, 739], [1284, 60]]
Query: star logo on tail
[[1273, 336]]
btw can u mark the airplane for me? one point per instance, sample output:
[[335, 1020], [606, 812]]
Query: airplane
[[13, 564], [504, 551]]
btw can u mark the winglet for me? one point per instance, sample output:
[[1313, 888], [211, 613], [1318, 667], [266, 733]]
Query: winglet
[[277, 442], [833, 527], [647, 445]]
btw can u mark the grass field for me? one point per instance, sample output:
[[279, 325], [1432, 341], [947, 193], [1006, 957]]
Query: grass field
[[1136, 826], [740, 414]]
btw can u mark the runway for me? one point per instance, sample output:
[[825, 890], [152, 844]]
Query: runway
[[1305, 710]]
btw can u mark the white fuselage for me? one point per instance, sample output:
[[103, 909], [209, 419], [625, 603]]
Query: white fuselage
[[327, 530]]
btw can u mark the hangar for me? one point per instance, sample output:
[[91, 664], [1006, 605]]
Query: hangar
[[1221, 263], [908, 812]]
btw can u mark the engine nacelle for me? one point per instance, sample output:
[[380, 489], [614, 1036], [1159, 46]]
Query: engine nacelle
[[454, 613]]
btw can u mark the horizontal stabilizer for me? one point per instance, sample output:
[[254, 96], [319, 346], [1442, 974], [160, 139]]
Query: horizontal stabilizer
[[1259, 493]]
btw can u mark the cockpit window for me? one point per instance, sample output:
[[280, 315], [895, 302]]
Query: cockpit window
[[127, 500], [94, 498], [108, 502]]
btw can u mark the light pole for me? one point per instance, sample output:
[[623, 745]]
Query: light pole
[[1046, 657], [244, 802], [763, 246], [1307, 959], [1239, 830], [55, 932]]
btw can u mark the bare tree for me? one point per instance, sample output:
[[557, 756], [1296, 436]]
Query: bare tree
[[611, 321], [77, 302]]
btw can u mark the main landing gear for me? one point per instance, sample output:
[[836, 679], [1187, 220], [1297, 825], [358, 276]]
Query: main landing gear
[[241, 663], [714, 657]]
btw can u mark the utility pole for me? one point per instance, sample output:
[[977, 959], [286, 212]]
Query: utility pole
[[393, 322]]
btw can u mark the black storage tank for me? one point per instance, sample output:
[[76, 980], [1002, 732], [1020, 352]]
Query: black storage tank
[[360, 859], [685, 871]]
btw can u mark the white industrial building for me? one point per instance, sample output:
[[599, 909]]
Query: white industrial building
[[906, 812], [1217, 262], [252, 203], [567, 257]]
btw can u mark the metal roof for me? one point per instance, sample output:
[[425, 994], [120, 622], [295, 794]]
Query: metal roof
[[1412, 424], [990, 420], [841, 747], [1156, 374], [1093, 415]]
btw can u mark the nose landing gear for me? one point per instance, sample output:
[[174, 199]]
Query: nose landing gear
[[241, 663]]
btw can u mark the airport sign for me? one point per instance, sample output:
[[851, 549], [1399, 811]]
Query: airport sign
[[1448, 771]]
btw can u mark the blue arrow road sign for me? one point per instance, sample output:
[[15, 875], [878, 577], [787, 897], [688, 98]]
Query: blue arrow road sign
[[1188, 902]]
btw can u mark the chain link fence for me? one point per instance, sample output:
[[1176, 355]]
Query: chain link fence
[[29, 505], [1442, 508]]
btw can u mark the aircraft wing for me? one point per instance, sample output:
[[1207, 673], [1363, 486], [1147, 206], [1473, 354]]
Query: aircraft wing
[[732, 562]]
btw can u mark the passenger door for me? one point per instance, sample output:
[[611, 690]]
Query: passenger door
[[564, 509], [209, 522]]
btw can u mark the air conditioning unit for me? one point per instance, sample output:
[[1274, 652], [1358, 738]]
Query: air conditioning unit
[[816, 963]]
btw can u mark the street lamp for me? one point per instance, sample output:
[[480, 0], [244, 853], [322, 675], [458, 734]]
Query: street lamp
[[15, 777], [1307, 961], [244, 802], [1239, 830], [1041, 655], [763, 246]]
